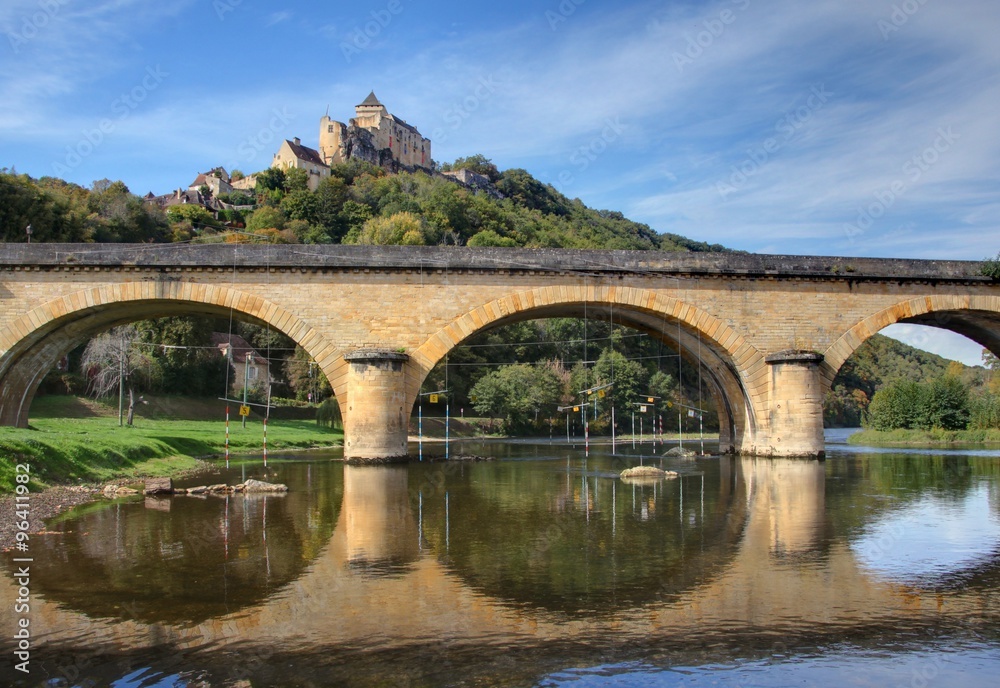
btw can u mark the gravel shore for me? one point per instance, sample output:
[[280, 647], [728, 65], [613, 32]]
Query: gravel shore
[[43, 506]]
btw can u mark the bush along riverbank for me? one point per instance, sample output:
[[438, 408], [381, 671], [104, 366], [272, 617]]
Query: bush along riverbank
[[926, 438], [71, 451]]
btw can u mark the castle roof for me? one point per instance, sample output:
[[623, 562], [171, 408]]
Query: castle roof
[[305, 153], [371, 100], [403, 124]]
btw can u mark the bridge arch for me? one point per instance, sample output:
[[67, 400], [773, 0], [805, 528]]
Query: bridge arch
[[736, 372], [975, 317], [35, 342]]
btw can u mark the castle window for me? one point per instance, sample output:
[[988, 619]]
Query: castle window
[[329, 129]]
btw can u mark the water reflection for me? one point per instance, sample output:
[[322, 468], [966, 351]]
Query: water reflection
[[376, 524], [933, 540], [181, 559], [577, 539], [397, 572]]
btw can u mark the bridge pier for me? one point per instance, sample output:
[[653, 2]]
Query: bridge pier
[[795, 418], [375, 415]]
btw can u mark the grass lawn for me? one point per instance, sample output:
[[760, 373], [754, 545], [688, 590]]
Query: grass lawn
[[91, 447], [925, 438]]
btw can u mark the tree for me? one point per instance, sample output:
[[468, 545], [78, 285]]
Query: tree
[[111, 361], [296, 179], [947, 404], [517, 393], [305, 378], [629, 378], [401, 228], [490, 238], [266, 218], [896, 406], [477, 163]]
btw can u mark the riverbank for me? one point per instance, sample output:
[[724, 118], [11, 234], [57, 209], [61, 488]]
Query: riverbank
[[74, 451], [925, 438]]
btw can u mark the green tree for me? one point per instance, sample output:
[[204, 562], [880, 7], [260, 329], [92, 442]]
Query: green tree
[[305, 378], [898, 405], [517, 393], [629, 378], [266, 218], [401, 228], [947, 404], [490, 238], [477, 163], [301, 205], [296, 179]]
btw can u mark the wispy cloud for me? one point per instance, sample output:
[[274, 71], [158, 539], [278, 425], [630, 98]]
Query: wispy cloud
[[277, 18]]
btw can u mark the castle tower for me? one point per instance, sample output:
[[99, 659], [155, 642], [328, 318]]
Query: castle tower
[[370, 112]]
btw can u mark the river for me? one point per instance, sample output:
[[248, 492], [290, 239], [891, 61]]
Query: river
[[539, 568]]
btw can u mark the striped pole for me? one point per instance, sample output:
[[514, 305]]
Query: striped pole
[[265, 441], [227, 435]]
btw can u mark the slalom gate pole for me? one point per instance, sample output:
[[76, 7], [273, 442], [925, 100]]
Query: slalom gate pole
[[227, 435]]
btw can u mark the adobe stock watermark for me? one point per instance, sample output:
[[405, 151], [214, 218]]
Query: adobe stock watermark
[[584, 156], [899, 17], [363, 34], [784, 129], [714, 29], [251, 146], [564, 10], [33, 24], [122, 107], [224, 7], [458, 113], [912, 171]]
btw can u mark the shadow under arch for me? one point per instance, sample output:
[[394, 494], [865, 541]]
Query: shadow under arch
[[35, 342], [975, 317], [735, 370]]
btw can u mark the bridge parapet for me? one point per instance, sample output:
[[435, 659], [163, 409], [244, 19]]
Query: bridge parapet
[[263, 256]]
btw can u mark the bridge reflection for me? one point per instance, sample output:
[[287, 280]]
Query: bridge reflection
[[479, 558]]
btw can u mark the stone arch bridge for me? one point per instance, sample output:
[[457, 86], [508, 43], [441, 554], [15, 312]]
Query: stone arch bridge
[[771, 331]]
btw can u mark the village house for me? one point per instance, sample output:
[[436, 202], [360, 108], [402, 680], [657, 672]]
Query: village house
[[293, 154], [246, 361]]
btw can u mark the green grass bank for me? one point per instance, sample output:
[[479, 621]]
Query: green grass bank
[[926, 438], [73, 440]]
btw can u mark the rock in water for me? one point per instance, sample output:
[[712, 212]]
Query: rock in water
[[681, 452], [159, 486], [260, 486], [647, 472]]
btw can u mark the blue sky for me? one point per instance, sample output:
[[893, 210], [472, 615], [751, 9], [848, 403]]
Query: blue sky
[[847, 127]]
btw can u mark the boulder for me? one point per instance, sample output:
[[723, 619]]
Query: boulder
[[251, 486], [200, 489], [125, 491], [647, 472], [159, 486], [682, 453], [221, 487]]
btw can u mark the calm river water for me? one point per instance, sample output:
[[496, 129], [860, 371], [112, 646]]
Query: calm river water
[[542, 568]]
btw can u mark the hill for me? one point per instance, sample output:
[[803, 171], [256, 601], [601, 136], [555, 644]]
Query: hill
[[877, 362], [358, 203]]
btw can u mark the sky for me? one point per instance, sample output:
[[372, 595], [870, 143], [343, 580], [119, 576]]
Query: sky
[[827, 127]]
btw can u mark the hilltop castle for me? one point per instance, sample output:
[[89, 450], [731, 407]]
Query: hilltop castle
[[373, 135], [405, 145]]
